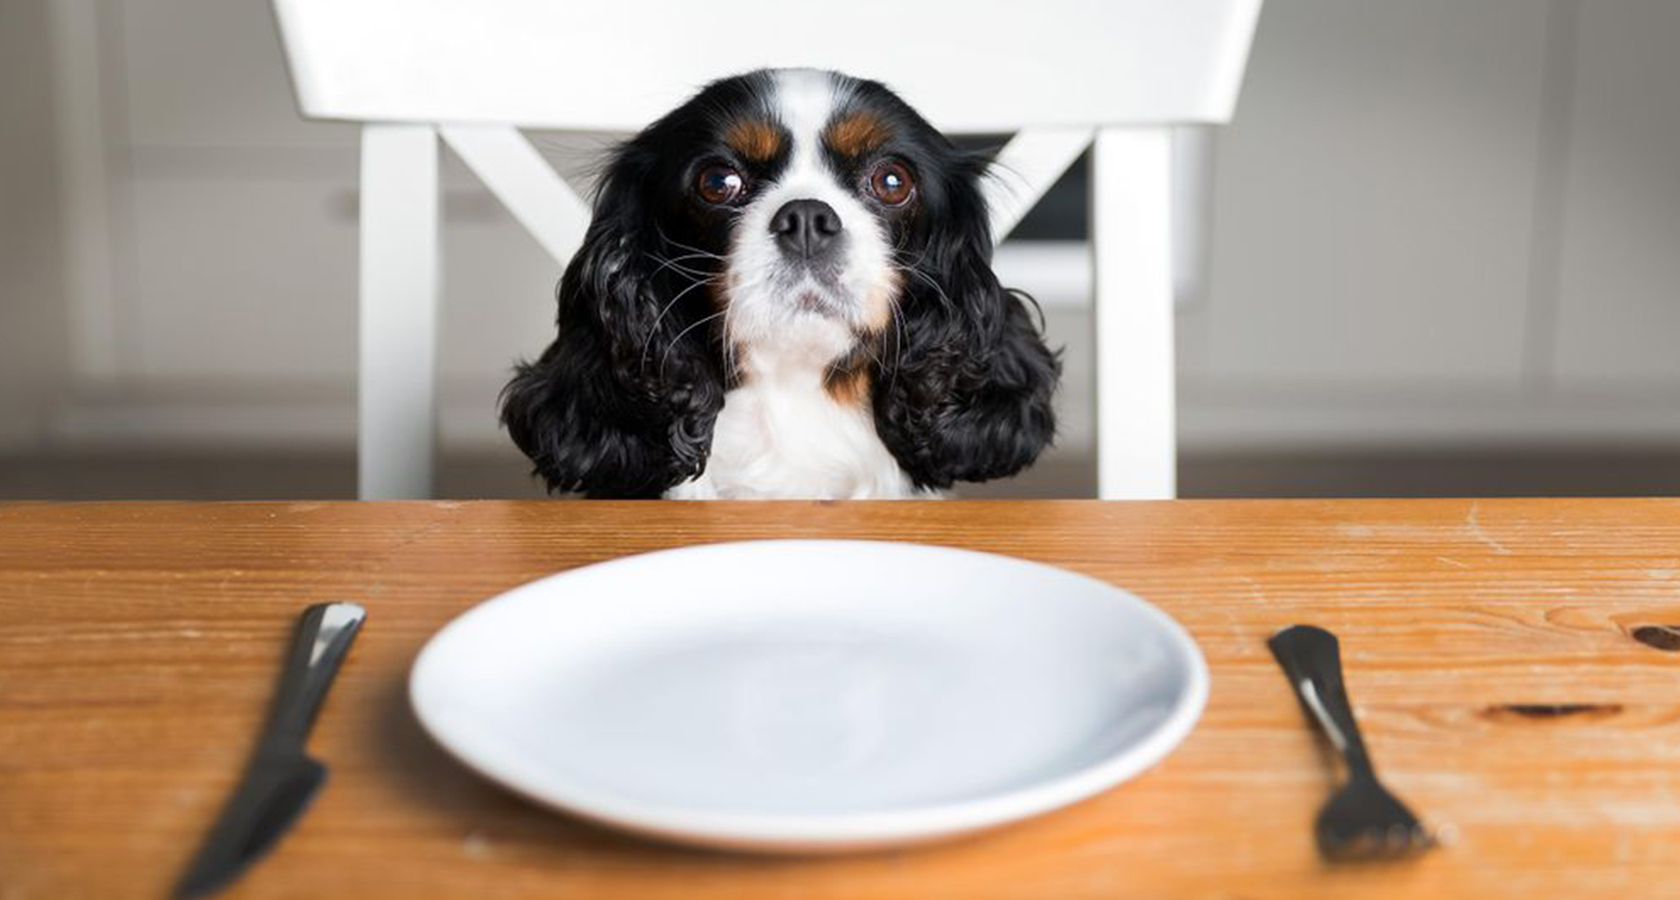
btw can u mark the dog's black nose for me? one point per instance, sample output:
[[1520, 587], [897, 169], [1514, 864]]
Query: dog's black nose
[[805, 228]]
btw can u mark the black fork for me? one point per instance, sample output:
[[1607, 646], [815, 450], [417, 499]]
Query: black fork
[[1361, 820]]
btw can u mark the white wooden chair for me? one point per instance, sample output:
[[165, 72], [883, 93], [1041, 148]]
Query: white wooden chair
[[1062, 75]]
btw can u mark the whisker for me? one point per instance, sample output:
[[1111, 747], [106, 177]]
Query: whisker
[[682, 246], [667, 357], [899, 250], [730, 363], [898, 344], [869, 351], [653, 330], [676, 264], [927, 280]]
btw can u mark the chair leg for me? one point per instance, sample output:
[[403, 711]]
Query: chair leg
[[399, 310], [1131, 255]]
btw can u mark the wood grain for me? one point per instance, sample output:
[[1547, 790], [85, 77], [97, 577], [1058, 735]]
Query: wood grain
[[1490, 650]]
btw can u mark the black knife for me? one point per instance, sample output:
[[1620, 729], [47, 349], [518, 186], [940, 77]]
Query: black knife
[[281, 779]]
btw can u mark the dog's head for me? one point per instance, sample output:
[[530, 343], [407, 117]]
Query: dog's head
[[782, 217]]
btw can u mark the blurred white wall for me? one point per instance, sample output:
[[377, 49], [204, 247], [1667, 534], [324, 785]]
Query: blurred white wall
[[34, 372], [1443, 223], [1437, 223]]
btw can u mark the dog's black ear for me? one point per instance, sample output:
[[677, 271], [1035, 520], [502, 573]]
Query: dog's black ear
[[622, 403], [966, 386]]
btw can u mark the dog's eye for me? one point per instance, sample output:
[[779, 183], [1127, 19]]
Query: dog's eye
[[891, 183], [720, 184]]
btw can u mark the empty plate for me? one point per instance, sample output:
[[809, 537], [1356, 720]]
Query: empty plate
[[808, 696]]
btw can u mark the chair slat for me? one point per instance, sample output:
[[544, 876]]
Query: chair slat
[[526, 184]]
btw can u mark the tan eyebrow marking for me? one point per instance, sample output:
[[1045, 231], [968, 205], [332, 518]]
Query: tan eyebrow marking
[[857, 134], [754, 139]]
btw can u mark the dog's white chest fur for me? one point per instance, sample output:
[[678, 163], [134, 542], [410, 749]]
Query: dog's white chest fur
[[782, 435]]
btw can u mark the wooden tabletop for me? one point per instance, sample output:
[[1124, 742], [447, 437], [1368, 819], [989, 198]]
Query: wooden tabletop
[[1506, 659]]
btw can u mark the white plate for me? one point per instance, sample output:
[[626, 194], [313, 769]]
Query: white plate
[[810, 696]]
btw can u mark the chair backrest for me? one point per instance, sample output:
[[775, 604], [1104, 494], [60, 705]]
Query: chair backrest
[[976, 66], [1063, 75]]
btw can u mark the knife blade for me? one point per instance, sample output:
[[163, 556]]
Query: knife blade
[[281, 777]]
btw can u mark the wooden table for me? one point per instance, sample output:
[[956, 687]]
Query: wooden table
[[1490, 647]]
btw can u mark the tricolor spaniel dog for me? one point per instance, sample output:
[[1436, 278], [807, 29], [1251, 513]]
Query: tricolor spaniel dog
[[786, 291]]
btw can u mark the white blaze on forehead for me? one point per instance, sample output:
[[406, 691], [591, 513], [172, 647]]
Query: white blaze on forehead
[[805, 101]]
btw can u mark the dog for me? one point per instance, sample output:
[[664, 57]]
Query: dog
[[786, 291]]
